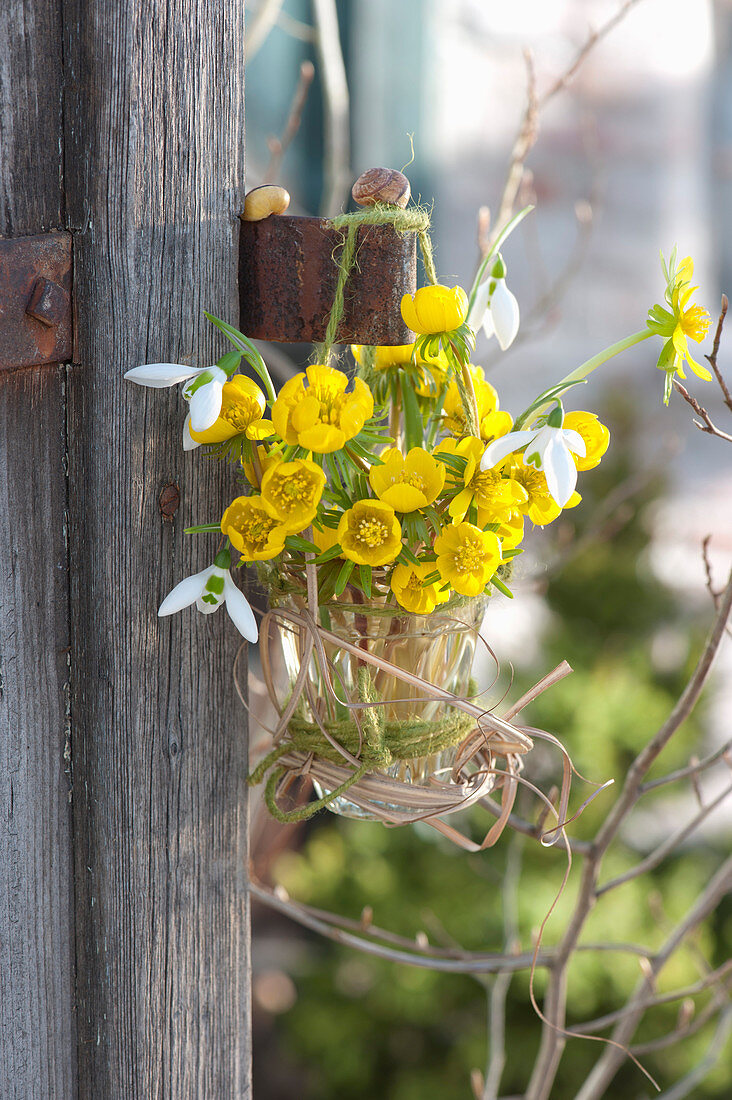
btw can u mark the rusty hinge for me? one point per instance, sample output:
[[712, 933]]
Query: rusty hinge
[[35, 300]]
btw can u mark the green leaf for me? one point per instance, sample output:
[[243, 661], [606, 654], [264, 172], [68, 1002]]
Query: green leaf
[[297, 542], [501, 587], [364, 572], [201, 528], [407, 556], [343, 577], [335, 551], [248, 350]]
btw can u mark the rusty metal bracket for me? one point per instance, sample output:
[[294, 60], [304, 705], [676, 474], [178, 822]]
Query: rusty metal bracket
[[288, 274], [35, 300]]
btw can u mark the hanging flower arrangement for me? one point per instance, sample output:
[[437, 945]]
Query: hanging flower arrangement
[[382, 505]]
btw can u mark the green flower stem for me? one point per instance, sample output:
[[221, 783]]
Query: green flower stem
[[395, 412], [507, 229], [549, 398], [470, 402], [602, 356]]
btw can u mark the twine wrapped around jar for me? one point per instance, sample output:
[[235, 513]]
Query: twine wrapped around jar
[[346, 755]]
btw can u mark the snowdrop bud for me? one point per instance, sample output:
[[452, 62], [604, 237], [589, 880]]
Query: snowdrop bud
[[504, 312]]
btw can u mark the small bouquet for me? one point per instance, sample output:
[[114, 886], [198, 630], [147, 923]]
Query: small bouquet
[[382, 506]]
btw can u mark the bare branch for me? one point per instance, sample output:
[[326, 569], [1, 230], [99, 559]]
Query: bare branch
[[278, 145], [712, 359], [529, 128], [502, 983], [683, 1087], [525, 141], [261, 23], [706, 424], [683, 1031], [659, 854], [653, 1002], [336, 106], [683, 708], [470, 964], [692, 769], [553, 1037], [593, 38], [607, 1065]]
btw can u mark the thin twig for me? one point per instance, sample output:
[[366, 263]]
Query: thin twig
[[502, 983], [692, 769], [684, 1031], [706, 424], [712, 359], [529, 128], [607, 1065], [659, 854], [683, 1087], [591, 41], [654, 1002], [336, 107], [278, 145], [261, 23], [553, 1039], [471, 964]]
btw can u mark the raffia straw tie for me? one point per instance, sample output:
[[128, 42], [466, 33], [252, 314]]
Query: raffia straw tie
[[415, 219], [358, 775]]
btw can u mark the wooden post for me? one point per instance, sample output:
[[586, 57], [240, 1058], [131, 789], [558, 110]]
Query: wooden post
[[143, 160], [37, 1032]]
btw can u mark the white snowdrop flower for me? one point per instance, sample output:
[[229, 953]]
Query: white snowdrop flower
[[208, 590], [203, 388], [495, 308], [189, 443], [548, 449]]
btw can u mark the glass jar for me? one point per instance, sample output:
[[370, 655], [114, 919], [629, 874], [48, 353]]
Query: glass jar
[[439, 648]]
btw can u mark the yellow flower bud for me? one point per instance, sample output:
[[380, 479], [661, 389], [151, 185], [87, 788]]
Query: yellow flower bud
[[435, 309]]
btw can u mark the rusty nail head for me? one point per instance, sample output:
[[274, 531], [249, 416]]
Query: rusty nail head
[[169, 500], [48, 303]]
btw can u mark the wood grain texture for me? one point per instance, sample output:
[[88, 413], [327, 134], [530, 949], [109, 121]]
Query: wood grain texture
[[30, 117], [37, 1023], [154, 175], [37, 1040]]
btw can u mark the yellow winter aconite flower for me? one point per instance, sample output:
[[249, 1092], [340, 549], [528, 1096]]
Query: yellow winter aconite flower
[[595, 435], [293, 490], [540, 506], [495, 496], [321, 416], [264, 459], [385, 357], [495, 424], [435, 309], [253, 529], [242, 413], [486, 400], [370, 533], [407, 483], [511, 531], [414, 596], [325, 539], [681, 322], [467, 557]]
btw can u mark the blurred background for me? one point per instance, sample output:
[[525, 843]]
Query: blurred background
[[632, 157]]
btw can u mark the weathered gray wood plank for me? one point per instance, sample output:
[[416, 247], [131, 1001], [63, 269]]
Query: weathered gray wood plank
[[37, 1033], [37, 1042], [154, 177]]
